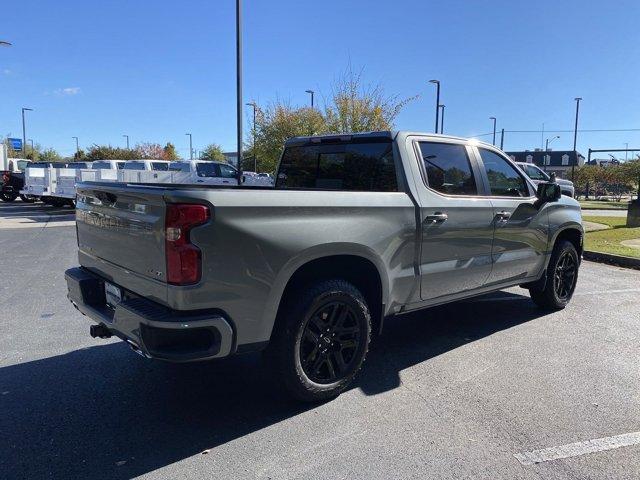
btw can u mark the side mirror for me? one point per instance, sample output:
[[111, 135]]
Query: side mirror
[[243, 179], [552, 177], [548, 192]]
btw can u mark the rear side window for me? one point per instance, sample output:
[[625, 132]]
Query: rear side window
[[352, 167], [179, 167], [535, 173], [206, 170], [504, 178], [448, 168], [101, 165], [77, 165], [134, 166], [161, 166]]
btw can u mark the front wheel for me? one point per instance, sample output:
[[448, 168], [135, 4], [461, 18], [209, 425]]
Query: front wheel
[[562, 277], [8, 197], [322, 340]]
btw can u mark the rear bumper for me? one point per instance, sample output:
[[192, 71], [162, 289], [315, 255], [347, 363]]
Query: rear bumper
[[153, 329]]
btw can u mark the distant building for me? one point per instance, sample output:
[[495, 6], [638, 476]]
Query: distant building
[[558, 161], [232, 158]]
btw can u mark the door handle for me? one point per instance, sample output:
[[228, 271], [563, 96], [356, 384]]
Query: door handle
[[503, 216], [437, 217]]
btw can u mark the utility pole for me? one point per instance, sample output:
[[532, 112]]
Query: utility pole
[[24, 130], [190, 146], [442, 119], [77, 147], [255, 160], [502, 139], [127, 137], [575, 140], [494, 130], [437, 83], [239, 85]]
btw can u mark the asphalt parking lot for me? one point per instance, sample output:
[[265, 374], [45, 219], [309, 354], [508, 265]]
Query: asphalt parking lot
[[462, 391]]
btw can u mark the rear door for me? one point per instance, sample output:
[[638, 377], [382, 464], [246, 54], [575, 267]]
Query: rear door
[[456, 221], [520, 230]]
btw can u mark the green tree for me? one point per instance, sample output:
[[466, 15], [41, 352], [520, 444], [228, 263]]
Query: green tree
[[632, 174], [80, 156], [170, 153], [50, 155], [213, 152], [107, 152]]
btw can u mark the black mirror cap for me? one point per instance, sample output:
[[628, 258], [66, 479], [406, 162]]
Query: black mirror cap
[[548, 192]]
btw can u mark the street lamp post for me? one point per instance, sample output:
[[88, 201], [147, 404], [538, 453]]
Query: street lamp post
[[437, 83], [575, 139], [494, 129], [77, 146], [24, 130], [255, 160], [190, 146], [442, 119], [239, 85], [310, 92], [546, 149], [127, 137]]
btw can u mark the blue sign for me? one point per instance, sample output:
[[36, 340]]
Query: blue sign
[[16, 144]]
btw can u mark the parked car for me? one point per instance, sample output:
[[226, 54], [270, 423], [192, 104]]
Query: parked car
[[13, 182], [206, 172], [357, 229], [102, 171], [39, 181], [63, 191], [538, 175]]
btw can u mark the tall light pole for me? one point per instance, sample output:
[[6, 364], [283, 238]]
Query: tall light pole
[[494, 129], [239, 85], [575, 139], [77, 146], [546, 149], [255, 160], [190, 146], [437, 83], [127, 137], [24, 130], [310, 92], [442, 119]]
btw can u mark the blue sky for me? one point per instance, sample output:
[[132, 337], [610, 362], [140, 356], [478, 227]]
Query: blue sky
[[156, 70]]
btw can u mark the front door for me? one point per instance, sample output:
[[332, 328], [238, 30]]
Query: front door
[[457, 223], [520, 238]]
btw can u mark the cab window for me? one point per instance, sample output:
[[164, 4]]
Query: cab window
[[227, 171], [134, 166], [504, 179], [448, 168], [161, 166]]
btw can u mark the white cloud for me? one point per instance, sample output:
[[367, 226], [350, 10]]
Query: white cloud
[[67, 91]]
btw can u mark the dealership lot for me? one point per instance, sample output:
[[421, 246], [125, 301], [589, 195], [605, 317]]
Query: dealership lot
[[463, 391]]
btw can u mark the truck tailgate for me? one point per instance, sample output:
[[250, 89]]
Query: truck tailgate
[[123, 226]]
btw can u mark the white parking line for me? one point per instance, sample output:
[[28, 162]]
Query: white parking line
[[579, 448]]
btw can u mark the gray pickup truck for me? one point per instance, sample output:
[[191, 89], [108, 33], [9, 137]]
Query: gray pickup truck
[[357, 228]]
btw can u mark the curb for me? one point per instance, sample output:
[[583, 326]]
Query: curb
[[618, 260]]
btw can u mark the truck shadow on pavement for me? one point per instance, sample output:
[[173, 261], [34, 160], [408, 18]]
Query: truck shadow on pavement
[[102, 412]]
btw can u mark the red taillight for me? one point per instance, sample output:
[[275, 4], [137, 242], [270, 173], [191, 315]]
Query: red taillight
[[183, 258], [5, 177]]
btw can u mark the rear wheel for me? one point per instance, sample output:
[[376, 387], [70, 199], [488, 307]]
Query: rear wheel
[[562, 277], [322, 340]]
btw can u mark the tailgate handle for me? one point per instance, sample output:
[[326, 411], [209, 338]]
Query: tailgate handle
[[106, 197]]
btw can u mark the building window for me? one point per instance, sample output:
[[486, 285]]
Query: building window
[[529, 159], [547, 159], [565, 159]]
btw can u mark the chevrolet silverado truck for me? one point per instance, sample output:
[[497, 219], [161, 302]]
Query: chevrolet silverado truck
[[356, 229]]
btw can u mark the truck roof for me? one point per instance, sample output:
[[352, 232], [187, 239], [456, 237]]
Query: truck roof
[[374, 135]]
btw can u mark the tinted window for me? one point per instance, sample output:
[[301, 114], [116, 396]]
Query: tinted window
[[101, 165], [179, 167], [22, 164], [160, 166], [38, 165], [227, 171], [448, 168], [120, 165], [77, 165], [206, 170], [134, 166], [535, 173], [352, 167], [504, 178]]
